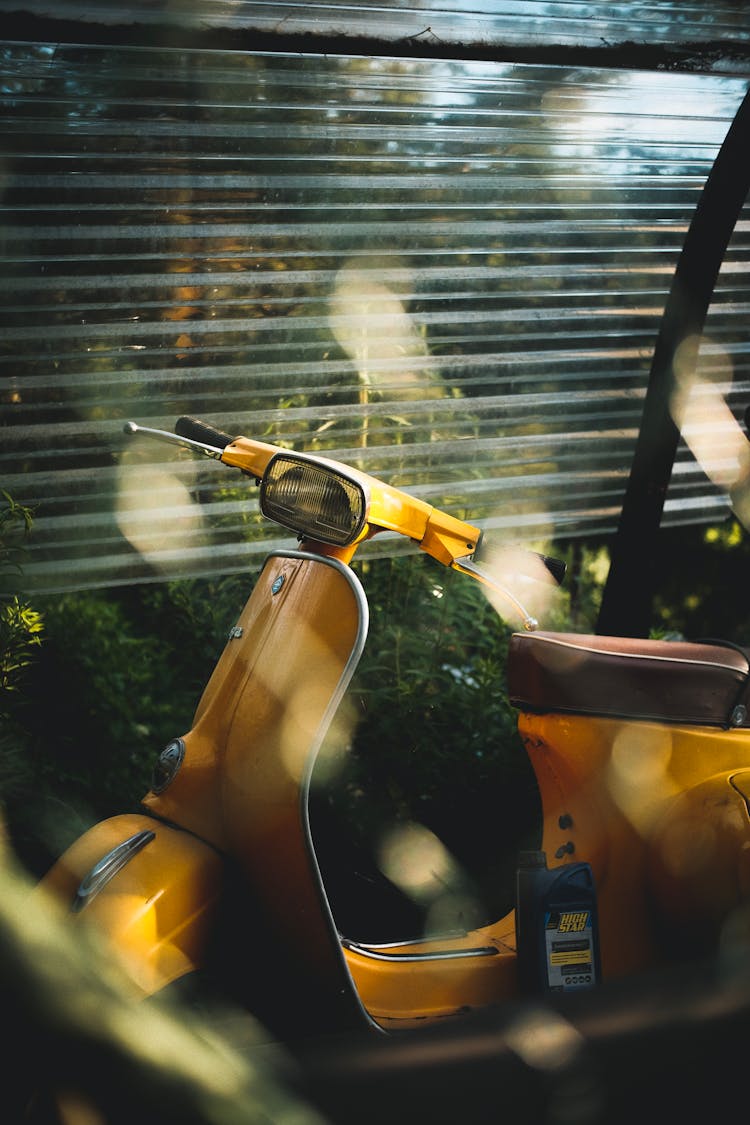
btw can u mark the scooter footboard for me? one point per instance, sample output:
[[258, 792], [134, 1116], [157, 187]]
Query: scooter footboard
[[151, 890]]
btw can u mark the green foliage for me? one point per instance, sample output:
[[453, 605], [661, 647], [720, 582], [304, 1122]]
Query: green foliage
[[21, 625], [435, 746], [196, 615], [107, 698], [702, 582], [21, 628], [89, 744], [15, 523], [119, 676], [434, 664]]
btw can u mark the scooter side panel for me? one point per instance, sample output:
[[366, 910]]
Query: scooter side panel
[[156, 908], [281, 718], [243, 783], [652, 807], [193, 798], [699, 866]]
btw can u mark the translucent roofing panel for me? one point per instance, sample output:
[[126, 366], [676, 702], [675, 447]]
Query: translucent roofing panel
[[450, 273]]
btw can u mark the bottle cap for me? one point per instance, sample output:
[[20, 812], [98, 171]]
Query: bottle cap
[[532, 859]]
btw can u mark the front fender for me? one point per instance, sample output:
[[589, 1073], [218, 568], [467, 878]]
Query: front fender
[[151, 890]]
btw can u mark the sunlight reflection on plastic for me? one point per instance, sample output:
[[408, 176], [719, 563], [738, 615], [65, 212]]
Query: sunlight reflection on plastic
[[544, 1040], [337, 743], [156, 513], [686, 845], [389, 350], [304, 706], [416, 861], [524, 574], [306, 702], [639, 779], [451, 911], [709, 428], [371, 325]]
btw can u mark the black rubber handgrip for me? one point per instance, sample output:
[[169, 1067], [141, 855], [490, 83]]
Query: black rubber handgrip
[[556, 567], [196, 430]]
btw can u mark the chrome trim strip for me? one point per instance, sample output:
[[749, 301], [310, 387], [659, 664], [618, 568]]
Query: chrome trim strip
[[444, 935], [107, 867], [363, 625], [438, 955], [351, 664]]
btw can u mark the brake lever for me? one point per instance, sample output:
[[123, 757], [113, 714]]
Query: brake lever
[[132, 428]]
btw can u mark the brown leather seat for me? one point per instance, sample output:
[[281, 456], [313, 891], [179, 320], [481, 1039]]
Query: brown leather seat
[[664, 681]]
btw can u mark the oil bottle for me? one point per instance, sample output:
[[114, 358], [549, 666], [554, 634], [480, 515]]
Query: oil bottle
[[557, 926]]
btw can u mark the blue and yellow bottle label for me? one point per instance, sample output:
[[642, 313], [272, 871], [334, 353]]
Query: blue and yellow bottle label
[[569, 943]]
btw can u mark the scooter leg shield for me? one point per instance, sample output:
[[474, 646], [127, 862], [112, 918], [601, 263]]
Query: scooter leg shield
[[151, 890]]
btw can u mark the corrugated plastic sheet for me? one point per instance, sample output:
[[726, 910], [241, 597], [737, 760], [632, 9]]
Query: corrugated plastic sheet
[[449, 272]]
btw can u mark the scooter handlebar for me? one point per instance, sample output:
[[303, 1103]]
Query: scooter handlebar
[[195, 430], [446, 538]]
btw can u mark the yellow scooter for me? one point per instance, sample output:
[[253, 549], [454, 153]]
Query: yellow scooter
[[641, 749]]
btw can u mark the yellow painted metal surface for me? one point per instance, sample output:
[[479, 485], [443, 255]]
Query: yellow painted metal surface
[[633, 799], [249, 756], [660, 812], [699, 863], [156, 912], [434, 987], [254, 730], [441, 535]]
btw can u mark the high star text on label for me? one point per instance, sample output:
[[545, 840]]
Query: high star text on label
[[573, 922]]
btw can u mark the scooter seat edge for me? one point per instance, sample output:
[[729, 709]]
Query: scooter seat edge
[[682, 682]]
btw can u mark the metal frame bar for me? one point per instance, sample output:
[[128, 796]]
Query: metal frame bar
[[632, 581]]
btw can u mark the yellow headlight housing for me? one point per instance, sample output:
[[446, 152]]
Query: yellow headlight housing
[[314, 499]]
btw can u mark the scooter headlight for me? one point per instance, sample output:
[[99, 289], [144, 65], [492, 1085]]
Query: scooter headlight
[[313, 499]]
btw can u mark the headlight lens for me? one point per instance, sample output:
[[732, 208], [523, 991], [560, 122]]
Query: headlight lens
[[315, 501]]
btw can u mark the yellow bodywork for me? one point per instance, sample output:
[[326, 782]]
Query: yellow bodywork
[[439, 534], [660, 813], [242, 790], [437, 979], [255, 738], [158, 910]]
